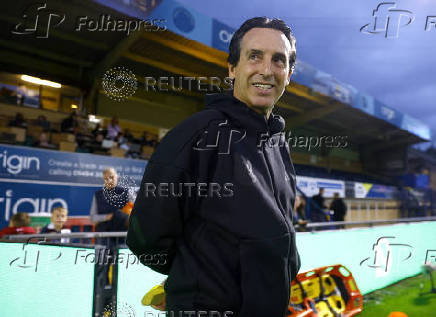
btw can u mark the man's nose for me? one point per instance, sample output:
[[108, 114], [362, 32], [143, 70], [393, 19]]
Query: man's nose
[[266, 68]]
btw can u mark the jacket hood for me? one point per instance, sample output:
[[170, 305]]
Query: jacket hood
[[242, 115]]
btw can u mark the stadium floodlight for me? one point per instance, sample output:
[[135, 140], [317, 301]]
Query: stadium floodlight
[[39, 81], [92, 118]]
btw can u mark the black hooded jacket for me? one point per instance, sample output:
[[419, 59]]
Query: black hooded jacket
[[215, 211]]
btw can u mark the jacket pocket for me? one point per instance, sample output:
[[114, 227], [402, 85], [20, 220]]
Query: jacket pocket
[[265, 283]]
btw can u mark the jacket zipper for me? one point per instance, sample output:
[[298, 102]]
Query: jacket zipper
[[283, 214]]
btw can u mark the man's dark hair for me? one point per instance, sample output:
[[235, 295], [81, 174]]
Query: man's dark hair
[[260, 22]]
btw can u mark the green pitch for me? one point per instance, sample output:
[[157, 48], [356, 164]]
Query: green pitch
[[410, 296]]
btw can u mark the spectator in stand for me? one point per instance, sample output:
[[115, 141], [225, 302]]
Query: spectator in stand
[[70, 124], [42, 122], [113, 129], [59, 216], [128, 135], [319, 199], [19, 121], [145, 138], [107, 208], [298, 215], [19, 224], [301, 207], [317, 213], [99, 138], [148, 139], [98, 130], [339, 209], [107, 204], [43, 141]]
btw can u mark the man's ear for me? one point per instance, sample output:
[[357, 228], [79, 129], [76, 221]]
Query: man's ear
[[231, 70], [288, 78]]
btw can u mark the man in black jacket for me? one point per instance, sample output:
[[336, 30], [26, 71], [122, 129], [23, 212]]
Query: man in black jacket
[[216, 198], [339, 209]]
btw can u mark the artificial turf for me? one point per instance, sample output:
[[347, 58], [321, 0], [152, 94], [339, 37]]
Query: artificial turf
[[410, 296]]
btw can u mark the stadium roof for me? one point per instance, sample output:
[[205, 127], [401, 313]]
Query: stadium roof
[[194, 46]]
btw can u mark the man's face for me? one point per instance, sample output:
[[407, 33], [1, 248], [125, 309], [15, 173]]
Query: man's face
[[110, 179], [59, 217], [262, 72]]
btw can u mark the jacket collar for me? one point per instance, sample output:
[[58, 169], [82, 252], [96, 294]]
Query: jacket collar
[[242, 115]]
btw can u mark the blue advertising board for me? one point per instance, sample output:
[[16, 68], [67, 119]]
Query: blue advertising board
[[34, 180], [221, 35]]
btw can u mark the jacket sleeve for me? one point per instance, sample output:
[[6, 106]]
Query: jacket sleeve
[[156, 221]]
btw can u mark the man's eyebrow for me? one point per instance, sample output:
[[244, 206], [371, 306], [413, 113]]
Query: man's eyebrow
[[260, 52], [255, 51], [281, 55]]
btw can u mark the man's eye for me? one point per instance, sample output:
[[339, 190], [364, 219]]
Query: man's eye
[[253, 56], [279, 60]]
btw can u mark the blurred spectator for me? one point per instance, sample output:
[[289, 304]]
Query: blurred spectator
[[42, 122], [300, 207], [108, 202], [298, 216], [319, 199], [123, 142], [59, 216], [128, 135], [144, 138], [99, 138], [70, 124], [19, 224], [98, 130], [317, 206], [339, 209], [106, 208], [149, 139], [43, 141], [18, 122], [113, 129]]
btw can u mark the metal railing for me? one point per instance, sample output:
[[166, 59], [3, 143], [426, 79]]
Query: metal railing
[[313, 225], [310, 226]]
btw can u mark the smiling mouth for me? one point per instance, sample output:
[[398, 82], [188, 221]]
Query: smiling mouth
[[263, 86]]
